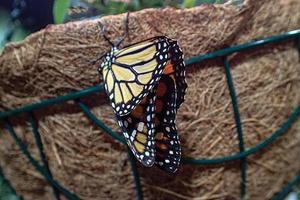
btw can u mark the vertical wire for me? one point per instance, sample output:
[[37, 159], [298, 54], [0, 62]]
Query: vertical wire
[[39, 144], [38, 167], [99, 123], [138, 187], [237, 117]]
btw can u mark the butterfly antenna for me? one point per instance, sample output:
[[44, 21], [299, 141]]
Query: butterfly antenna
[[103, 31], [126, 30]]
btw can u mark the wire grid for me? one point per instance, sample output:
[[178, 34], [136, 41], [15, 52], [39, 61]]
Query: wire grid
[[58, 189]]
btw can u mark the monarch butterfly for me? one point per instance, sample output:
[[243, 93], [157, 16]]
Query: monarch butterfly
[[145, 83]]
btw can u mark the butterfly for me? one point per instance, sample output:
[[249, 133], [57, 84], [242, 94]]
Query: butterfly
[[145, 83]]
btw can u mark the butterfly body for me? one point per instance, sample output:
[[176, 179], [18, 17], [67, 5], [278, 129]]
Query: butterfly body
[[145, 83]]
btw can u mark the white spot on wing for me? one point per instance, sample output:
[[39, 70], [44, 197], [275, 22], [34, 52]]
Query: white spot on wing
[[140, 126]]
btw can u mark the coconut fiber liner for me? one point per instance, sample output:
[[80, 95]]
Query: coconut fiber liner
[[55, 61]]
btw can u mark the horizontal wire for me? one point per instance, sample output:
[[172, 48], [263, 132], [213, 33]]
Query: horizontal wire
[[243, 47], [56, 100], [100, 88], [197, 59], [280, 131]]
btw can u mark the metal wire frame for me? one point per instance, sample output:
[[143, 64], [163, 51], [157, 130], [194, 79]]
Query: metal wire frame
[[241, 155]]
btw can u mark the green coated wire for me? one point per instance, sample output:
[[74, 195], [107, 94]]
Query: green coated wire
[[8, 183], [49, 102], [237, 117], [242, 47], [197, 59], [36, 165], [86, 92], [275, 135], [39, 144], [138, 187], [116, 136], [287, 189], [99, 123]]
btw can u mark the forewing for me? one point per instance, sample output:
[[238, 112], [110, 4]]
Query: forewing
[[134, 71]]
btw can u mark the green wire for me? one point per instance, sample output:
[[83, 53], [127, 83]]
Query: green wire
[[99, 123], [53, 101], [138, 187], [279, 132], [243, 47], [237, 117], [116, 136], [7, 183], [287, 189], [36, 165], [197, 59], [39, 144], [99, 88]]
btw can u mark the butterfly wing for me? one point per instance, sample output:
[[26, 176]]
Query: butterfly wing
[[177, 60], [131, 77], [138, 130], [167, 145], [133, 71]]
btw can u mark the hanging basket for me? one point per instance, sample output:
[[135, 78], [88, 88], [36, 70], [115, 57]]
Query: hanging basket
[[229, 148]]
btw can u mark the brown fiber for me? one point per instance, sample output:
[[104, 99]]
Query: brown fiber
[[55, 61]]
